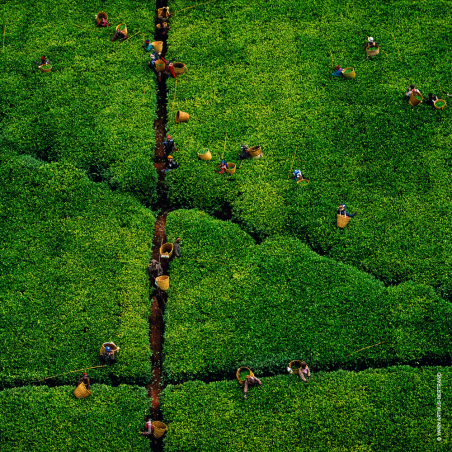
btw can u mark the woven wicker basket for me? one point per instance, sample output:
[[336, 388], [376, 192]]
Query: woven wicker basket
[[160, 14], [240, 370], [295, 365], [351, 74], [162, 282], [166, 250], [440, 100], [342, 220], [160, 66], [159, 429], [124, 30], [373, 52], [101, 16], [181, 116], [231, 168], [206, 156], [179, 68], [45, 67], [303, 180], [413, 101], [81, 391], [158, 46], [114, 348], [255, 151]]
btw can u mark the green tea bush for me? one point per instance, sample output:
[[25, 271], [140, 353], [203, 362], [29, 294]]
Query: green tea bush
[[38, 418], [97, 107], [72, 275], [234, 303], [261, 74], [386, 409]]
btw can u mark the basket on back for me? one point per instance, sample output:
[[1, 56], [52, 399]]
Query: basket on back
[[114, 348], [231, 168], [414, 100], [159, 429], [166, 250], [295, 365], [160, 66], [342, 220], [374, 52], [206, 156], [81, 391], [162, 282], [158, 46], [101, 16], [243, 369]]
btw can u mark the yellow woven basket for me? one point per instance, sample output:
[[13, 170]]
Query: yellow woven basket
[[181, 116], [114, 348], [240, 370], [179, 68], [159, 429], [231, 168], [295, 365], [81, 391], [124, 30], [342, 220], [413, 101], [255, 151], [206, 156], [162, 282], [351, 74], [166, 250], [101, 16], [373, 52], [440, 100], [158, 46]]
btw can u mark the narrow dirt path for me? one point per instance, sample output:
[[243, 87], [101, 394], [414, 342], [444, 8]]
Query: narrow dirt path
[[157, 297]]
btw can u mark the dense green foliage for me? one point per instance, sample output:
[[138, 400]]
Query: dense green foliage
[[261, 72], [234, 303], [97, 107], [42, 419], [377, 410], [72, 275]]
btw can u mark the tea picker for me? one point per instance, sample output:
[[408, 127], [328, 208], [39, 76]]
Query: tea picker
[[176, 247], [168, 145], [431, 99], [171, 164], [245, 154], [250, 381], [84, 379], [412, 90], [107, 352], [155, 269], [371, 43], [297, 176], [223, 167], [148, 429], [337, 71], [343, 217], [304, 370], [147, 45], [42, 62], [163, 13], [169, 70]]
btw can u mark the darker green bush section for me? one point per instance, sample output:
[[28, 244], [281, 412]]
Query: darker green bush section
[[43, 419], [72, 275], [97, 107]]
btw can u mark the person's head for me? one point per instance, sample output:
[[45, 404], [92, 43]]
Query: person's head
[[170, 157], [430, 95], [412, 87], [370, 39], [153, 262], [43, 58], [108, 348], [84, 374], [178, 239], [147, 41], [337, 67], [297, 173], [168, 137], [303, 364], [342, 207]]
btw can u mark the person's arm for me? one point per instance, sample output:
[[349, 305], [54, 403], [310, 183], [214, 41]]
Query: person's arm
[[309, 372], [245, 389]]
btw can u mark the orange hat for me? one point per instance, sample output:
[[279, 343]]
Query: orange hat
[[170, 156]]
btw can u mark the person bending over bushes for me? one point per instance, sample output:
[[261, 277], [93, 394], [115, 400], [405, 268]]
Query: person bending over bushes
[[250, 381], [341, 211], [304, 370]]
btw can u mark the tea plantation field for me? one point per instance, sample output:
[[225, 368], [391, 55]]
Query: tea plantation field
[[392, 409], [42, 419], [234, 303], [260, 72], [72, 275], [96, 108]]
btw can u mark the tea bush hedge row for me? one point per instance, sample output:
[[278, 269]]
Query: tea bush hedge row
[[97, 107], [260, 73], [72, 275], [234, 303], [386, 409], [39, 418]]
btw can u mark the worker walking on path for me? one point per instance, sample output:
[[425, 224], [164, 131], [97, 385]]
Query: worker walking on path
[[168, 145], [155, 269], [171, 165], [176, 247], [250, 381], [148, 429]]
